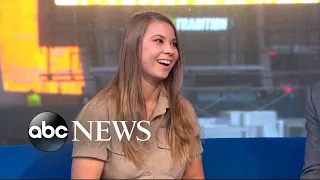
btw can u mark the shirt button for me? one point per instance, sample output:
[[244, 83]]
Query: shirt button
[[147, 173]]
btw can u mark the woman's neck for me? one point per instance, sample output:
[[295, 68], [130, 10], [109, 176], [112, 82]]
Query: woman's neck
[[150, 91]]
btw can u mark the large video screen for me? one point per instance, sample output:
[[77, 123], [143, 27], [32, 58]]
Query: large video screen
[[24, 61], [207, 31], [219, 35], [211, 31]]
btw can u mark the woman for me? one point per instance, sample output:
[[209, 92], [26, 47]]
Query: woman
[[147, 86]]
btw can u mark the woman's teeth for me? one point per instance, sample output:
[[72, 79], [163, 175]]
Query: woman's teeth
[[164, 62]]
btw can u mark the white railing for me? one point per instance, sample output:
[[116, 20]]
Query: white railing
[[191, 69], [248, 124]]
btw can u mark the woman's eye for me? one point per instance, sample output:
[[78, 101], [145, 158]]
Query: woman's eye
[[174, 44], [158, 41]]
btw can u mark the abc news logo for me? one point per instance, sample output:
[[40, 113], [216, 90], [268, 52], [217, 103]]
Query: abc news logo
[[48, 131]]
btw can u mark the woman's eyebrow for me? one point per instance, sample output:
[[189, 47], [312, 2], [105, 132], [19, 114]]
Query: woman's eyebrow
[[157, 35], [163, 37]]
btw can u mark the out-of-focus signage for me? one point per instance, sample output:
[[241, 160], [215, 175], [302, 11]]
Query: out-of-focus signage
[[23, 61], [201, 24]]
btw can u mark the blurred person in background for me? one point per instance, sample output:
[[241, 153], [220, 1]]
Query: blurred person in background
[[311, 168], [147, 86]]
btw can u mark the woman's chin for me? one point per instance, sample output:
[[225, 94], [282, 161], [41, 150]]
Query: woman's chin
[[162, 77], [157, 78]]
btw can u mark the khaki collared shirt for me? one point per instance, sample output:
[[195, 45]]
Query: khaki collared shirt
[[158, 163]]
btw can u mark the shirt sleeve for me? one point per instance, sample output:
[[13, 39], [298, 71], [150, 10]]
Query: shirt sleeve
[[85, 142]]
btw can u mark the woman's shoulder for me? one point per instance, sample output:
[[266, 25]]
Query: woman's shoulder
[[187, 106], [189, 110], [104, 97], [185, 102], [101, 103]]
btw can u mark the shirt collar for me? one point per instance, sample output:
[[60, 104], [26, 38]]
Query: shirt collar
[[162, 104]]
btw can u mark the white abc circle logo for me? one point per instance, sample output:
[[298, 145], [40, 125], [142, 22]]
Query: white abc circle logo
[[43, 131], [48, 131]]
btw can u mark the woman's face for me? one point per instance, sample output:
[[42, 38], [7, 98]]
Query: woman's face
[[159, 51]]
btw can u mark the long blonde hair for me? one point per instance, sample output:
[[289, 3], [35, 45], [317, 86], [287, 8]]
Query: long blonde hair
[[126, 89]]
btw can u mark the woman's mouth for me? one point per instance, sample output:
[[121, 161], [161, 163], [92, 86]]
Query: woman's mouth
[[165, 63]]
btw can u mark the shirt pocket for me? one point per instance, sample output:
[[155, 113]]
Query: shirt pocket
[[165, 161], [118, 166]]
